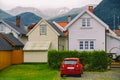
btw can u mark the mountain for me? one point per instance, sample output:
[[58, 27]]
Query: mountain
[[19, 10], [53, 12], [4, 14], [46, 14], [74, 12], [109, 12], [26, 18]]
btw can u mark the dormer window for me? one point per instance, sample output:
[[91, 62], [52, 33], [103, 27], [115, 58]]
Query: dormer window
[[43, 30], [85, 22]]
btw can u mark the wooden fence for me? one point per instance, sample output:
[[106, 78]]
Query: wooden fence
[[8, 58]]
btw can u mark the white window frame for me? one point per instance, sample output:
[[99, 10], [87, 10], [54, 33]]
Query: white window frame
[[2, 28], [86, 44], [43, 30], [86, 22], [92, 43], [83, 22], [81, 45]]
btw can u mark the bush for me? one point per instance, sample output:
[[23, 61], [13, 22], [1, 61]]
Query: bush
[[99, 61], [92, 61]]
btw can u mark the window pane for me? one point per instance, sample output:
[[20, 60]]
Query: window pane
[[91, 45], [88, 22], [86, 44], [43, 29], [70, 61], [83, 22], [81, 44], [1, 27]]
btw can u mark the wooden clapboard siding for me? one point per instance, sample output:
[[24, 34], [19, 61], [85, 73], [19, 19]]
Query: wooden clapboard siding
[[8, 58], [17, 57], [5, 59]]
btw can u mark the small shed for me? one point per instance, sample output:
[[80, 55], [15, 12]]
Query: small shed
[[36, 51]]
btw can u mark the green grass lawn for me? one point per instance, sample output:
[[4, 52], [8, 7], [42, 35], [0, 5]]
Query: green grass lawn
[[29, 72]]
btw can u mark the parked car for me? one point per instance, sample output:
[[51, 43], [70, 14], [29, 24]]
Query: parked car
[[71, 66]]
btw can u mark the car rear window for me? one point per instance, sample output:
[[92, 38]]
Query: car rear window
[[70, 61]]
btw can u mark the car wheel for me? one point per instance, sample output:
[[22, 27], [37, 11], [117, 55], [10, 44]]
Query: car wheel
[[61, 75], [82, 72], [79, 75]]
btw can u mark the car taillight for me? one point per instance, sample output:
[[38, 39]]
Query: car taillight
[[77, 67], [63, 66]]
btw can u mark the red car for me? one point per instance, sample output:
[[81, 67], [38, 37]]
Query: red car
[[71, 66]]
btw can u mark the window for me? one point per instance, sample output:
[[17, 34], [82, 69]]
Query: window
[[42, 29], [86, 45], [81, 44], [91, 45], [61, 47], [86, 22], [83, 22], [1, 28], [70, 61]]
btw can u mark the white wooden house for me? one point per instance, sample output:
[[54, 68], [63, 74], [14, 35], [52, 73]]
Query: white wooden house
[[87, 33], [8, 27], [43, 37]]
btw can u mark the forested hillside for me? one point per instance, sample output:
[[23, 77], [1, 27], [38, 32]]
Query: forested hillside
[[109, 12]]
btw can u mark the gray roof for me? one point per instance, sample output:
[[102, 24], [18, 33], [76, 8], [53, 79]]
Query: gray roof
[[56, 28], [14, 40], [20, 30], [4, 45]]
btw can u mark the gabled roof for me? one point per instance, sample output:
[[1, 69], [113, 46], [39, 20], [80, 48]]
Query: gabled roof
[[14, 40], [117, 32], [11, 40], [62, 24], [31, 26], [59, 26], [56, 29], [91, 14], [14, 27], [4, 45]]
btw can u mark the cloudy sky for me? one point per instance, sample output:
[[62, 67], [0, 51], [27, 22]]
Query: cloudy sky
[[44, 4]]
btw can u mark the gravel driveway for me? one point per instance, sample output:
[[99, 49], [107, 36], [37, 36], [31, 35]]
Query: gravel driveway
[[113, 74]]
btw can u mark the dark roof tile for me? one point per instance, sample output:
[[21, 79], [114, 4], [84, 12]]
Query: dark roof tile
[[21, 31], [4, 45], [14, 40]]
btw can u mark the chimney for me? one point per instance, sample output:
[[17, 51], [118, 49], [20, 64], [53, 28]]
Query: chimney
[[91, 9], [69, 18], [18, 21]]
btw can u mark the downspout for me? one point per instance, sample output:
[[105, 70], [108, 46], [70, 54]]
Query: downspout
[[68, 41], [105, 40], [58, 43]]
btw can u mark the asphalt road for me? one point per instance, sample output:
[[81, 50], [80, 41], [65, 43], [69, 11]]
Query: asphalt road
[[113, 74]]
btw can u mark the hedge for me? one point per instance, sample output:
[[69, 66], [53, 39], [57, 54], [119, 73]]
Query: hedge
[[92, 61]]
